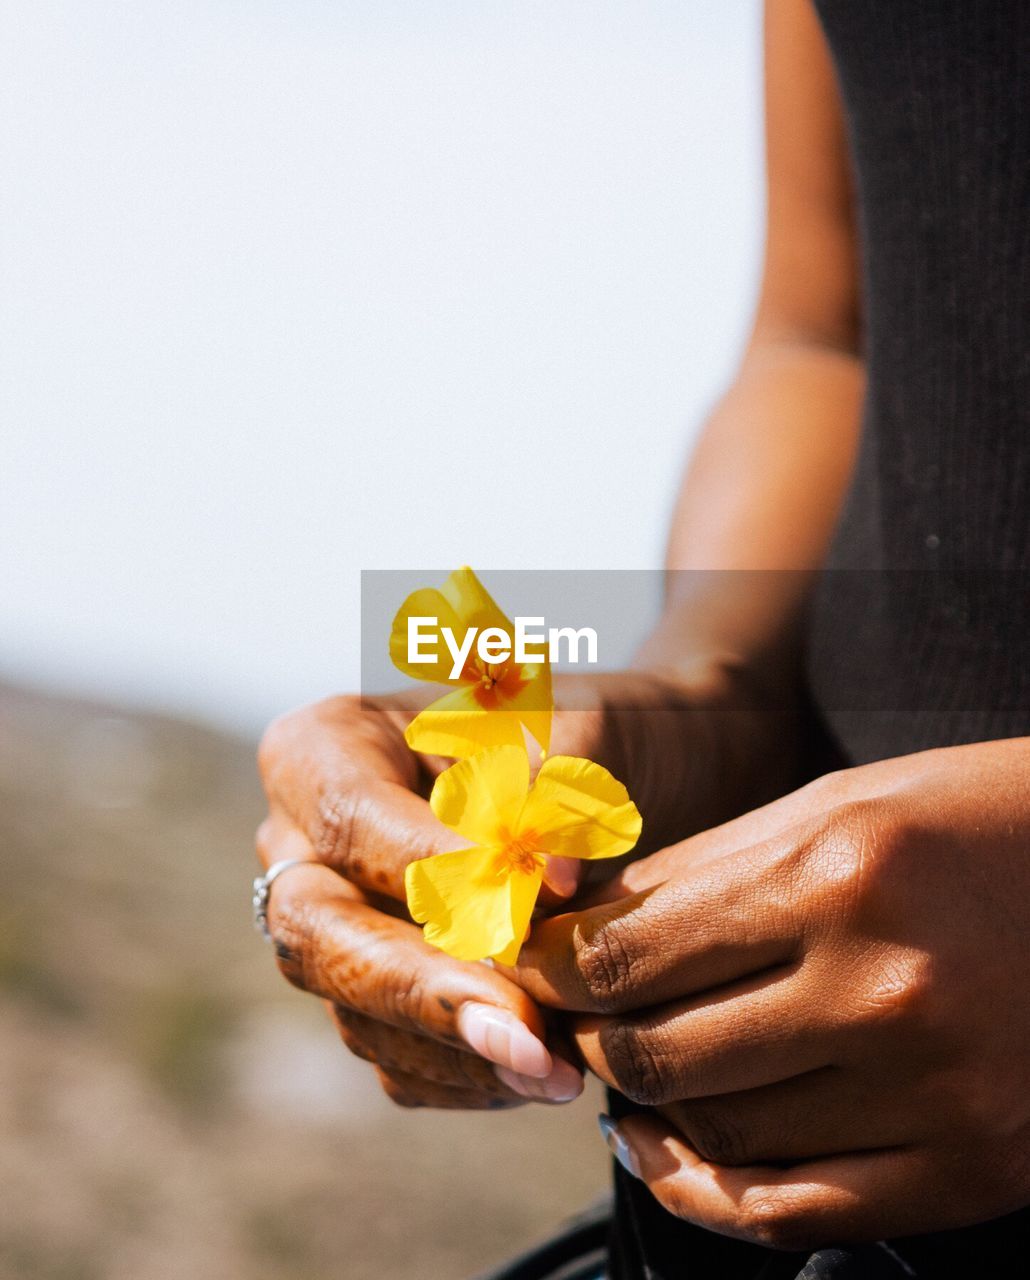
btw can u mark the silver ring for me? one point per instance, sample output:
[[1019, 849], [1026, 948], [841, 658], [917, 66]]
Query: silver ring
[[262, 888]]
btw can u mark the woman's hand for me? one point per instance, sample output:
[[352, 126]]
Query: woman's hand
[[346, 794], [827, 1001]]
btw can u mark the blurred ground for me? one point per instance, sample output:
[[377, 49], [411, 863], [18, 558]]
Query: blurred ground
[[169, 1108]]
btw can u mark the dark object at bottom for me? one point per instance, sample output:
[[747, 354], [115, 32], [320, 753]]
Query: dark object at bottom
[[580, 1252]]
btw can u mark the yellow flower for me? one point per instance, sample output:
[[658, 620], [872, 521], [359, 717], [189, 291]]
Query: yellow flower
[[478, 902], [515, 694]]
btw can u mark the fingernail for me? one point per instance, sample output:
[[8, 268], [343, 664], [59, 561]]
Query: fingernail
[[564, 1084], [501, 1038], [561, 876], [618, 1145]]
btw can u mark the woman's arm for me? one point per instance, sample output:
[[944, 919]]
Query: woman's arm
[[764, 485]]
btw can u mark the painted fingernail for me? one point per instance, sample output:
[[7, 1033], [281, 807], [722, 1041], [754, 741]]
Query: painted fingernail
[[501, 1038], [564, 1084], [618, 1145]]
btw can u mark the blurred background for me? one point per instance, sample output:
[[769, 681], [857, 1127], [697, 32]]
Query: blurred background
[[291, 289]]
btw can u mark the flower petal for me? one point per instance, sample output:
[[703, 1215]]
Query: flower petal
[[469, 908], [425, 603], [534, 702], [577, 809], [525, 889], [494, 701], [456, 725], [472, 603], [482, 796]]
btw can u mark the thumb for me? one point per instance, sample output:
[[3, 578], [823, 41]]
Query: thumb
[[561, 881]]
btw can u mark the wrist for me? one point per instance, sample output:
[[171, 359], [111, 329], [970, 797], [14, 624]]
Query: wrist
[[696, 741]]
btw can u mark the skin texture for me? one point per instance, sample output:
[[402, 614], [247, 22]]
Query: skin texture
[[818, 1001]]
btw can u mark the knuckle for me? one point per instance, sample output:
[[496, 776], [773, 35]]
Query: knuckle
[[264, 840], [406, 999], [717, 1137], [359, 1049], [291, 923], [827, 788], [274, 743], [337, 812], [777, 1219], [837, 859], [468, 1074], [356, 719], [268, 749], [354, 1043], [343, 709], [634, 1064], [605, 966], [900, 990], [398, 1093], [972, 1098]]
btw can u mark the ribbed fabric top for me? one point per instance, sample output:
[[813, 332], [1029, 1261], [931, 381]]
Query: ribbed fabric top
[[920, 631]]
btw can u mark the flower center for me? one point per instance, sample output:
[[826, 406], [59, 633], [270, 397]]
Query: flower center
[[494, 683], [520, 852], [488, 674]]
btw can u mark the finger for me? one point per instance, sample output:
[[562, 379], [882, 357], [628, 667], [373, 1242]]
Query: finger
[[561, 880], [826, 1112], [419, 1056], [722, 922], [790, 813], [343, 775], [278, 839], [369, 830], [866, 1196], [414, 1091], [755, 1033], [414, 1054], [347, 952]]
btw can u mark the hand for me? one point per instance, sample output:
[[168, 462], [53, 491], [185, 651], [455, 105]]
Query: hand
[[827, 1001], [346, 793]]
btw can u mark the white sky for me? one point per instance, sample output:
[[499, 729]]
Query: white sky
[[291, 289]]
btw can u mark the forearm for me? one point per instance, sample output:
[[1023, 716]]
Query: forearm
[[763, 489], [764, 484], [755, 513]]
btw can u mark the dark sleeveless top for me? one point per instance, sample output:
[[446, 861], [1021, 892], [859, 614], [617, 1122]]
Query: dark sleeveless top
[[920, 628], [920, 633]]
